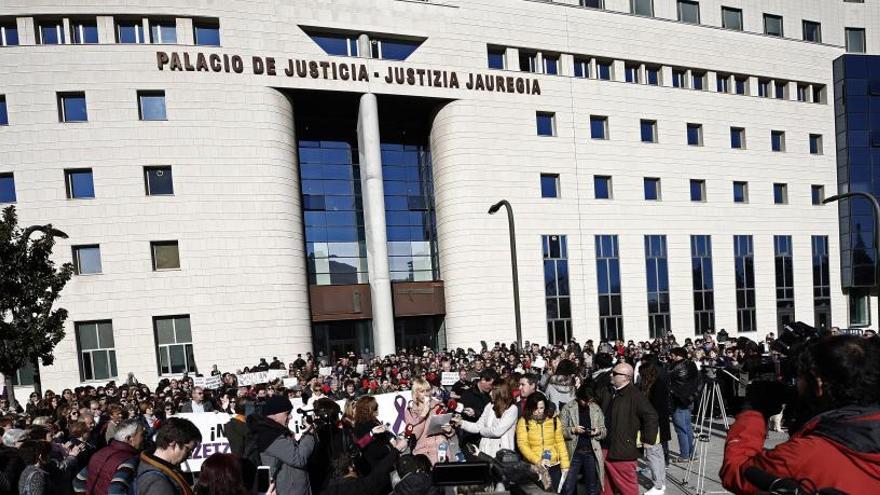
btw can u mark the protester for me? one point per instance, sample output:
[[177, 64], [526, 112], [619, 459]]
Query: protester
[[418, 416], [683, 390], [272, 440], [35, 479], [221, 474], [497, 423], [539, 439], [198, 403], [528, 384], [236, 428], [654, 383], [112, 469], [583, 428], [159, 472], [475, 399], [561, 387]]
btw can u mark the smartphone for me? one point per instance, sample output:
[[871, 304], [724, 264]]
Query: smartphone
[[262, 479]]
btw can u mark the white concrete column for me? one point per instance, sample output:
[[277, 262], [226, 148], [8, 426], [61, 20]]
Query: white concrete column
[[364, 48], [106, 29], [185, 33], [68, 33], [618, 70], [373, 193], [566, 65], [511, 58], [666, 76]]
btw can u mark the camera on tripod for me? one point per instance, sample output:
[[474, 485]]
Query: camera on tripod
[[319, 418]]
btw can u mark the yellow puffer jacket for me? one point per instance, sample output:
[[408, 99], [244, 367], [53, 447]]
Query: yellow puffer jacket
[[541, 436]]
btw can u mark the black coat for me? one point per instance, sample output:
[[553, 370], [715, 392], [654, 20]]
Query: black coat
[[475, 399], [627, 413], [684, 384], [236, 432]]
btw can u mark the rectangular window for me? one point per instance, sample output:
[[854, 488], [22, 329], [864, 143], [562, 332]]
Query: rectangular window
[[780, 90], [25, 375], [657, 270], [740, 192], [732, 18], [84, 31], [698, 190], [556, 289], [777, 140], [163, 31], [652, 189], [855, 40], [816, 146], [8, 33], [773, 25], [50, 32], [80, 183], [784, 279], [528, 61], [695, 134], [812, 31], [130, 31], [802, 92], [608, 275], [741, 85], [390, 49], [595, 4], [581, 67], [642, 7], [704, 288], [632, 73], [165, 254], [151, 105], [722, 83], [174, 349], [206, 33], [689, 11], [4, 114], [602, 187], [679, 78], [821, 282], [97, 350], [549, 185], [817, 194], [764, 88], [780, 194], [546, 123], [652, 76], [744, 254], [737, 138], [551, 64], [158, 181], [859, 308], [86, 259], [598, 127], [496, 57], [337, 44], [72, 107], [7, 188], [648, 131], [698, 80], [604, 70], [818, 93]]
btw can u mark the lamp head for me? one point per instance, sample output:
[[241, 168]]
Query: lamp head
[[494, 208]]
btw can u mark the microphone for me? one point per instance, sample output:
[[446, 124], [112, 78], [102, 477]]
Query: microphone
[[770, 483], [454, 406]]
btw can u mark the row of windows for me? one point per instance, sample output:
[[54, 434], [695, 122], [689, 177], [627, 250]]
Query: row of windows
[[602, 189], [345, 44], [732, 18], [72, 106], [79, 183], [87, 258], [545, 62], [96, 347], [80, 30], [545, 124]]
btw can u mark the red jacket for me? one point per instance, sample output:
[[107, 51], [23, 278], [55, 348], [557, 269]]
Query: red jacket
[[837, 449]]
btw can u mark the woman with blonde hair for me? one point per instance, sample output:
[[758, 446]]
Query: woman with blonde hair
[[497, 423], [418, 415]]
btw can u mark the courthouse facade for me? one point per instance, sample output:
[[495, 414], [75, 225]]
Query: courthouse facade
[[254, 179]]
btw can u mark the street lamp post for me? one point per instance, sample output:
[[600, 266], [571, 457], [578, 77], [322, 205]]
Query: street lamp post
[[512, 228], [876, 205]]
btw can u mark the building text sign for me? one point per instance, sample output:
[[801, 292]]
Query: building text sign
[[398, 75]]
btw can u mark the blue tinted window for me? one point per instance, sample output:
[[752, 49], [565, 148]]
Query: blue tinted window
[[336, 44], [777, 140], [780, 194], [649, 131], [85, 32], [163, 32], [695, 134], [604, 69], [549, 185], [581, 68], [158, 181], [7, 188], [698, 190], [130, 31], [4, 114], [51, 33], [653, 75], [79, 184], [86, 259], [73, 107], [206, 34], [652, 189], [740, 86], [678, 79], [151, 105], [602, 187], [698, 80], [551, 65], [8, 34], [598, 127], [496, 58], [397, 49], [815, 144], [632, 74], [545, 123], [740, 192], [737, 138]]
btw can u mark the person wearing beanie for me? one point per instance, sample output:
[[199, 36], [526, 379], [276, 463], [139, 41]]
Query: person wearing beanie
[[271, 443]]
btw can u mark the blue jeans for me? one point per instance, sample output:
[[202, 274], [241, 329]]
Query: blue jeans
[[582, 462], [681, 420]]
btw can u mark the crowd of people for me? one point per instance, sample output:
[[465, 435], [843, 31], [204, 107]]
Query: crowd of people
[[566, 415]]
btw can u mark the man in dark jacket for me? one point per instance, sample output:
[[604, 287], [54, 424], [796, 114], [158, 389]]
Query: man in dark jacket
[[159, 473], [627, 414], [474, 401], [288, 458], [198, 402], [111, 469], [236, 428], [683, 389]]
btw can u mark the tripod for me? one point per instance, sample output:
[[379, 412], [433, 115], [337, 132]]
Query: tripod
[[709, 399]]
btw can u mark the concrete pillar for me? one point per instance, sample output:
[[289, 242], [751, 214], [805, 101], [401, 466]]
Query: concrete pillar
[[753, 86], [146, 25], [566, 65], [618, 70], [106, 29], [511, 58], [666, 76], [27, 34], [373, 192], [712, 81], [185, 33], [364, 48], [68, 33]]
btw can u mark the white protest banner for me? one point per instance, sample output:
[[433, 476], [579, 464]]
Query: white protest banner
[[391, 412], [274, 374], [291, 382], [360, 369], [199, 381], [325, 370], [213, 382], [539, 363], [256, 378], [212, 426], [448, 378]]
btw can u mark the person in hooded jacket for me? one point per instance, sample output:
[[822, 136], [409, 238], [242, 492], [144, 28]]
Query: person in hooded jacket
[[838, 388], [561, 385], [286, 457]]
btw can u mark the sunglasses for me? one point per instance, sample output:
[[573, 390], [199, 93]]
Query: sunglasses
[[615, 373]]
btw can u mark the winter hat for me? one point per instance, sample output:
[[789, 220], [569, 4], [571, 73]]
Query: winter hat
[[276, 404]]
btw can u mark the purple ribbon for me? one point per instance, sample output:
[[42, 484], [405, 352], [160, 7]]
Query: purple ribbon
[[400, 405]]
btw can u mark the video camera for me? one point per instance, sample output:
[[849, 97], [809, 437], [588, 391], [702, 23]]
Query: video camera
[[319, 417], [793, 338]]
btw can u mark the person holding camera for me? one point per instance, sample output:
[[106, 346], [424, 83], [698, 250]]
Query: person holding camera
[[272, 440], [838, 386], [684, 387]]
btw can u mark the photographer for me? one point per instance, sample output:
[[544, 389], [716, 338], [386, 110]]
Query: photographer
[[269, 435], [684, 387], [838, 385]]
